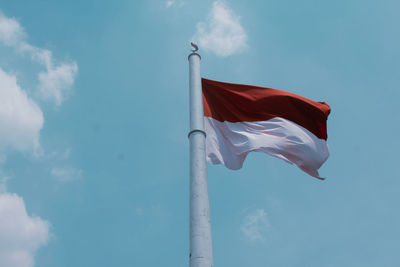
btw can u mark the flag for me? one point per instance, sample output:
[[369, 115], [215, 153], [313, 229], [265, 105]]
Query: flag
[[239, 119]]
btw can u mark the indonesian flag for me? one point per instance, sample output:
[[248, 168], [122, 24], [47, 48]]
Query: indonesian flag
[[242, 118]]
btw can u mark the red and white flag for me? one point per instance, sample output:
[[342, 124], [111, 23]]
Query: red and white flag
[[242, 118]]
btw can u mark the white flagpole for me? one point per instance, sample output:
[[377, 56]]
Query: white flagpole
[[200, 227]]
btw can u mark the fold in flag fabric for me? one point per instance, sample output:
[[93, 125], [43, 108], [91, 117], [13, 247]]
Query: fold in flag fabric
[[242, 118]]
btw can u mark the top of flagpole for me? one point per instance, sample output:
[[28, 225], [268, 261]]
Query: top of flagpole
[[196, 48]]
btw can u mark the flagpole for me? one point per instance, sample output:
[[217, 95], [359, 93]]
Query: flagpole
[[200, 227]]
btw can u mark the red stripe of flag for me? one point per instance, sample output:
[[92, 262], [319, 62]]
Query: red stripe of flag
[[237, 102]]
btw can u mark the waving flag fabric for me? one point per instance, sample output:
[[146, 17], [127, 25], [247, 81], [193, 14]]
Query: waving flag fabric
[[242, 118]]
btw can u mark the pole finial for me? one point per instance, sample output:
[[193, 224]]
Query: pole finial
[[194, 51], [196, 48]]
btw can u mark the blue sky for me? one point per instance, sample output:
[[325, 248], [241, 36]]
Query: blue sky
[[94, 122]]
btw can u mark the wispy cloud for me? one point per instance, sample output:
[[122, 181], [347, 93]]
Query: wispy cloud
[[67, 153], [3, 183], [255, 225], [174, 3], [20, 234], [66, 174], [170, 3], [222, 32], [11, 32], [57, 79], [54, 83]]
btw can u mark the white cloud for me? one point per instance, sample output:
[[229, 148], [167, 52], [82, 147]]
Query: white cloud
[[66, 174], [56, 81], [21, 235], [21, 119], [222, 33], [170, 3], [255, 224], [11, 31]]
